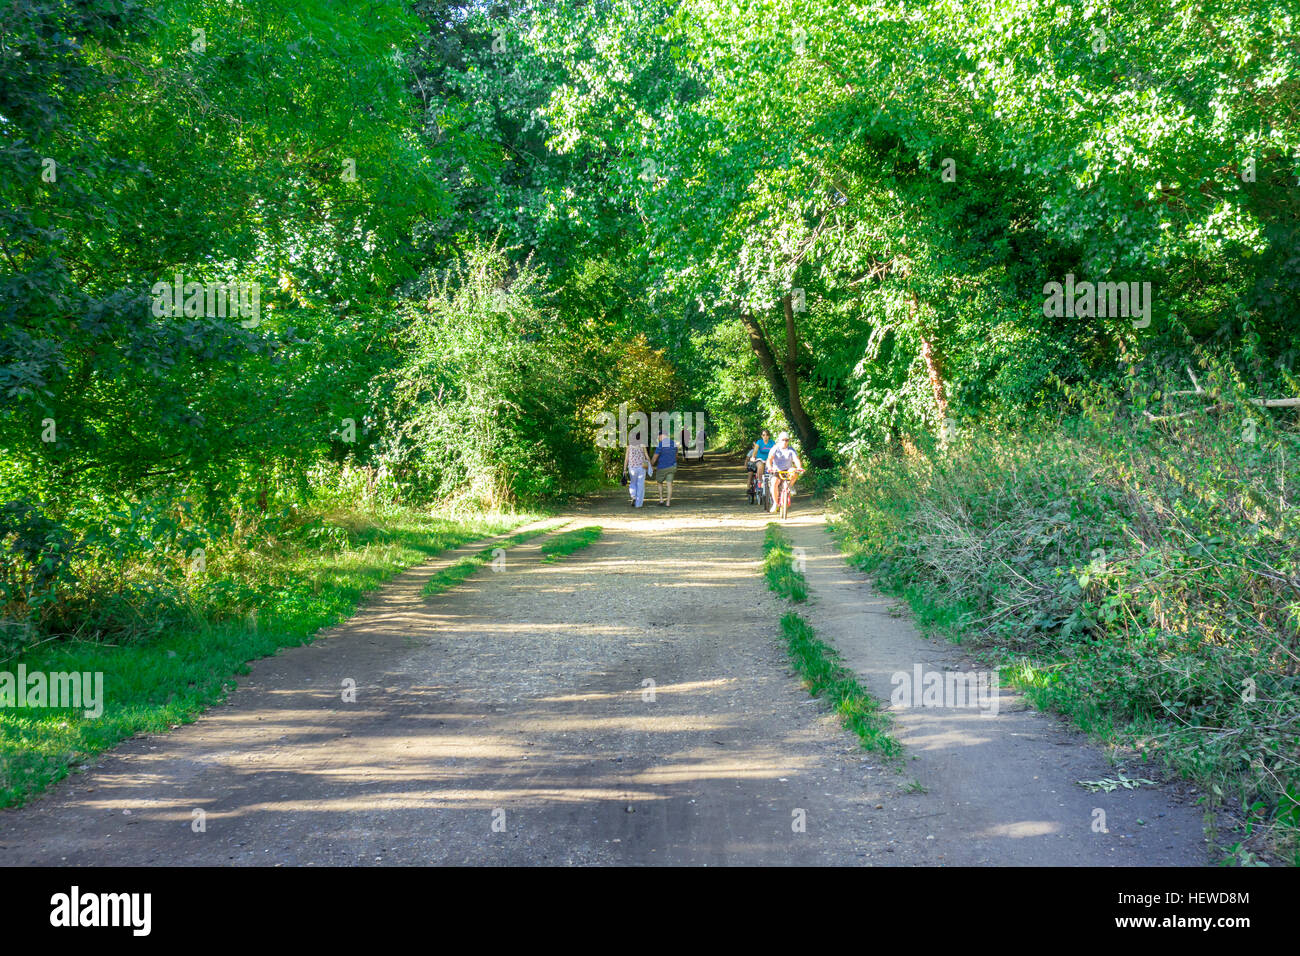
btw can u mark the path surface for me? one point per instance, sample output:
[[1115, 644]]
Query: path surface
[[509, 721]]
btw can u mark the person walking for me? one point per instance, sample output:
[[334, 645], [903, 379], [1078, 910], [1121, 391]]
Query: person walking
[[664, 463], [692, 441], [636, 463]]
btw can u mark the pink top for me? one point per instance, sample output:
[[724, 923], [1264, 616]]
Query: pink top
[[635, 457]]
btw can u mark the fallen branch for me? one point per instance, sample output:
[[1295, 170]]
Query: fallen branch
[[1198, 390], [1164, 418]]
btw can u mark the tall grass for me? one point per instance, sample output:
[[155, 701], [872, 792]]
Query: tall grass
[[1139, 568]]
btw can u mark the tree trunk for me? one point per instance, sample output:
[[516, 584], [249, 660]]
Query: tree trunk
[[935, 369], [785, 385], [766, 361], [803, 424], [262, 492], [933, 364]]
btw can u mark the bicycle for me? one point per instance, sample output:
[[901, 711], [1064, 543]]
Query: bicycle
[[784, 483], [753, 489], [764, 492]]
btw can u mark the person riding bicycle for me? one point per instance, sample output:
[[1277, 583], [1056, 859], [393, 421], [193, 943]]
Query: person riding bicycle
[[759, 452], [781, 458]]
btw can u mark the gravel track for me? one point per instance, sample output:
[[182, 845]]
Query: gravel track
[[509, 721]]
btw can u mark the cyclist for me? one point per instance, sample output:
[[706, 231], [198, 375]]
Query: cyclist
[[781, 458], [759, 452]]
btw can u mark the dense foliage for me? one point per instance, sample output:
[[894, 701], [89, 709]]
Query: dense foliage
[[913, 176], [1140, 576], [242, 242], [459, 234]]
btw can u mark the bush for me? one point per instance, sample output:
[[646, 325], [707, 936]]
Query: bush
[[1140, 570], [35, 552], [485, 408]]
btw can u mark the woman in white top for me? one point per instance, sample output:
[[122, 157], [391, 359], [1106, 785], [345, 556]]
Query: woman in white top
[[781, 458]]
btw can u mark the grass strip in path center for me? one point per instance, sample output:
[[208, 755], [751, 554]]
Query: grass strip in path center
[[817, 662], [780, 568], [570, 542], [458, 571]]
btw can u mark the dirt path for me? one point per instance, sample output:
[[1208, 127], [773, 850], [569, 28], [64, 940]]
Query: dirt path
[[1000, 779], [510, 721]]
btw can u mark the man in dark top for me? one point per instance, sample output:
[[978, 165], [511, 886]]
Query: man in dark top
[[665, 465], [692, 441]]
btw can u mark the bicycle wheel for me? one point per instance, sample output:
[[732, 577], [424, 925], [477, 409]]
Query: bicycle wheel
[[783, 494]]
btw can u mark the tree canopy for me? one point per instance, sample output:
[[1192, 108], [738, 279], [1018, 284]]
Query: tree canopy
[[844, 218]]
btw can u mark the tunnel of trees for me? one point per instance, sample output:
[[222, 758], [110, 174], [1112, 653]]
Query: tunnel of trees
[[1021, 277]]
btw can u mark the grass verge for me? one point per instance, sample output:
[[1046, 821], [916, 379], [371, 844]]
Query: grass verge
[[1136, 576], [152, 685]]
